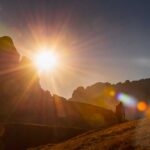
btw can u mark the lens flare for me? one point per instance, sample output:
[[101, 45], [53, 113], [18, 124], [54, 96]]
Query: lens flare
[[142, 106], [112, 93], [127, 99]]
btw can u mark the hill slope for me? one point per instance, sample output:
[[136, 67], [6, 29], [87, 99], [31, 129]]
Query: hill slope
[[133, 135], [21, 136]]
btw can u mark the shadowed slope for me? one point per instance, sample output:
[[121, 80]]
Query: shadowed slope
[[133, 135], [22, 136]]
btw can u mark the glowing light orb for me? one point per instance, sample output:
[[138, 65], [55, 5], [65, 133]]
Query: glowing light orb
[[46, 61], [112, 93], [127, 99], [142, 106]]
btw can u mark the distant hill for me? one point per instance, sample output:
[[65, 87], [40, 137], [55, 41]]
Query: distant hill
[[22, 100], [97, 94], [133, 135]]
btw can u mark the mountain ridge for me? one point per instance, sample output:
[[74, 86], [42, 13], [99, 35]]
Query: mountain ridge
[[98, 94], [23, 100]]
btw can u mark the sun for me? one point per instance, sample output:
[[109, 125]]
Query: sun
[[46, 60]]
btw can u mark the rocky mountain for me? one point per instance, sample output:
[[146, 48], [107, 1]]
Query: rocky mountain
[[105, 95], [23, 100]]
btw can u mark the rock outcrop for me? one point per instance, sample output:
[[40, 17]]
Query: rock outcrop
[[23, 100], [99, 95]]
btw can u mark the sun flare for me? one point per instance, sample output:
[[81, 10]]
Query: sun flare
[[46, 61]]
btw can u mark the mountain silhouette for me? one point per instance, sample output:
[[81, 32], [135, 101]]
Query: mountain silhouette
[[23, 100], [36, 117], [25, 106], [97, 94]]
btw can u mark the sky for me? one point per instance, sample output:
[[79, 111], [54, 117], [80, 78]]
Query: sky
[[100, 40]]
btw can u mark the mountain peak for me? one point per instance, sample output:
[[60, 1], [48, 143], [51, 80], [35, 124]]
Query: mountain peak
[[7, 48]]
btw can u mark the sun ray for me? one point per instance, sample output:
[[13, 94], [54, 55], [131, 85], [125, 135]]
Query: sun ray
[[22, 97]]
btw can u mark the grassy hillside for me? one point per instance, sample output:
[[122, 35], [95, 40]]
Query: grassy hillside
[[133, 135], [22, 136]]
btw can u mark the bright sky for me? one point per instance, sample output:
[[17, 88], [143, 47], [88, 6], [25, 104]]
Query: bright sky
[[97, 40]]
